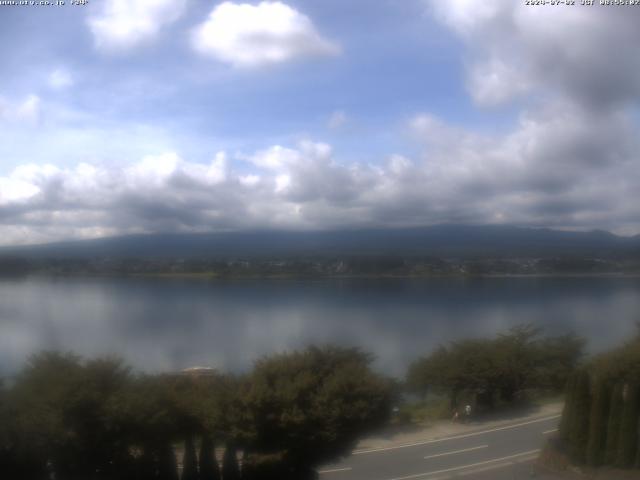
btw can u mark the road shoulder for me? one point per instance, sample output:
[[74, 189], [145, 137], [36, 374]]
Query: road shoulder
[[447, 428]]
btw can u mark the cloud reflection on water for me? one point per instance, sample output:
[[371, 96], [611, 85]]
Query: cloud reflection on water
[[171, 324]]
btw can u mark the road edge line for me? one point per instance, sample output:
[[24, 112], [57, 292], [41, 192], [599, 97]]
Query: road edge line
[[464, 467], [454, 437]]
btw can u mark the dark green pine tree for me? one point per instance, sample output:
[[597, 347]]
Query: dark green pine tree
[[628, 439], [209, 469], [189, 461], [248, 467], [578, 435], [230, 468], [567, 412], [146, 465], [22, 465], [598, 422], [613, 425], [167, 466]]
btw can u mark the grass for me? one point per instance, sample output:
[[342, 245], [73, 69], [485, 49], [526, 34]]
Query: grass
[[426, 411], [423, 412]]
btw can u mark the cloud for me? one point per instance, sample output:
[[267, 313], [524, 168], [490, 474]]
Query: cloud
[[515, 50], [246, 35], [561, 165], [569, 160], [337, 120], [494, 82], [123, 24], [167, 193], [60, 78], [25, 112], [276, 157]]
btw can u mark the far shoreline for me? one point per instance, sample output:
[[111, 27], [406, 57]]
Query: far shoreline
[[211, 276]]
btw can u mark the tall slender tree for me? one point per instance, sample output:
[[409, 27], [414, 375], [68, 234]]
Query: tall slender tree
[[579, 433], [567, 412], [167, 465], [209, 469], [637, 462], [613, 424], [230, 467], [145, 465], [189, 460], [598, 422], [628, 439]]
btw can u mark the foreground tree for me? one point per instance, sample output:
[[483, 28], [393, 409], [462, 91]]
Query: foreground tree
[[598, 423], [209, 469], [434, 373], [310, 407], [70, 419], [189, 461], [610, 432], [499, 369], [230, 467], [628, 433], [166, 465], [21, 455], [556, 360], [517, 356], [568, 410], [613, 424], [579, 429], [67, 411]]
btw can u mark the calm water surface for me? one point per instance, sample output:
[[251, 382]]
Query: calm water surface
[[160, 324]]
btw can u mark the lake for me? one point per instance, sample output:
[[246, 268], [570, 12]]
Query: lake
[[170, 324]]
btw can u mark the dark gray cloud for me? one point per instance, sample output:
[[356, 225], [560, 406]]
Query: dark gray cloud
[[585, 53]]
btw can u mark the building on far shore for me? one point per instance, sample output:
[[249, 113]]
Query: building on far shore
[[199, 371]]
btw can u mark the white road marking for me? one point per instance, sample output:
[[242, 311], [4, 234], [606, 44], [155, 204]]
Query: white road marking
[[455, 437], [486, 468], [496, 466], [550, 431], [464, 467], [455, 451], [334, 470]]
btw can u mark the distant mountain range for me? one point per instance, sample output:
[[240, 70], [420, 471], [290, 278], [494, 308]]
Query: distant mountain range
[[437, 241]]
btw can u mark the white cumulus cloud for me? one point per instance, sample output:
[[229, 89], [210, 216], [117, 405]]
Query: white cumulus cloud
[[122, 24], [21, 112], [60, 78], [246, 35], [541, 173]]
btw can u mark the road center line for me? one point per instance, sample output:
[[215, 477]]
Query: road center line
[[456, 451], [488, 468], [550, 431], [455, 437], [334, 470], [463, 467]]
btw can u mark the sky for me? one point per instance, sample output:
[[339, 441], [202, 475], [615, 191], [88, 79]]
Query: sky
[[141, 116]]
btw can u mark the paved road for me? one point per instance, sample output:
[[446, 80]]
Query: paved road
[[504, 452]]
